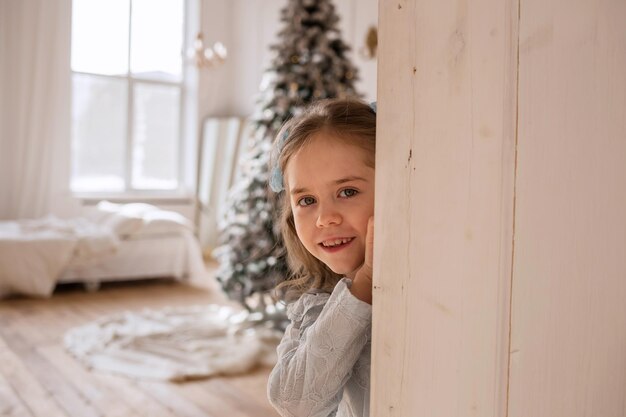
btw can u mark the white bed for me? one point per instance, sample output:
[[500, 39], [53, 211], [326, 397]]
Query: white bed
[[119, 242], [163, 256]]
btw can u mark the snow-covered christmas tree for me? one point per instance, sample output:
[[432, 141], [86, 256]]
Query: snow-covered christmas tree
[[310, 64]]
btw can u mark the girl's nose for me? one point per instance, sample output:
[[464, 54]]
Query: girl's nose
[[328, 216]]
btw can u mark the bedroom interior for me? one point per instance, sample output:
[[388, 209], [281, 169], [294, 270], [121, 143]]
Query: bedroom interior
[[74, 253], [500, 286]]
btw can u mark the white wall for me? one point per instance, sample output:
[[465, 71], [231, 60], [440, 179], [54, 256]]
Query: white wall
[[356, 17], [4, 157]]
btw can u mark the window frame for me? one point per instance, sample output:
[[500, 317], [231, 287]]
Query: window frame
[[187, 86]]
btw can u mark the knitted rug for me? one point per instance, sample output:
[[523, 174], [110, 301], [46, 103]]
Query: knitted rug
[[174, 344]]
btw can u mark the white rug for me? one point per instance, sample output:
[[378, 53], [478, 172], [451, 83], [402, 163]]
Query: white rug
[[174, 344]]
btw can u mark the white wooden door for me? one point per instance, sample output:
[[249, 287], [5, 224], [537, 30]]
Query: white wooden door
[[500, 253], [568, 338], [444, 207]]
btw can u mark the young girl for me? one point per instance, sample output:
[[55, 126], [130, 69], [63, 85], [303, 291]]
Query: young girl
[[325, 176]]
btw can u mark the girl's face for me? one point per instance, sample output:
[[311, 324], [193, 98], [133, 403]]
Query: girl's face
[[331, 190]]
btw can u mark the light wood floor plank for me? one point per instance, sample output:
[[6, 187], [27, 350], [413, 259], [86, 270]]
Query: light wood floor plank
[[63, 391], [38, 378], [168, 396], [247, 404], [28, 389], [10, 406], [102, 397], [128, 392]]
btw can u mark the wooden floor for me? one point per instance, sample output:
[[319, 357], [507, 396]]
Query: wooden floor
[[38, 378]]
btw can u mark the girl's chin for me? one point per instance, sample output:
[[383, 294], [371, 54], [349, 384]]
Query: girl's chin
[[351, 275], [345, 267], [346, 272]]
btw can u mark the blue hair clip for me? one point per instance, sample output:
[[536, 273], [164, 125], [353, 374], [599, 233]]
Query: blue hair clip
[[276, 176], [373, 106], [276, 180]]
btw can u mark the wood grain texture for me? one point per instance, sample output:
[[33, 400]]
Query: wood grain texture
[[444, 207], [10, 404], [569, 287], [26, 385], [38, 378]]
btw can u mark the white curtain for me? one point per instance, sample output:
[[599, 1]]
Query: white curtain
[[35, 94]]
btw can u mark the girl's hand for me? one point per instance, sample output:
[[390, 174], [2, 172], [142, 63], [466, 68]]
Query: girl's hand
[[362, 284]]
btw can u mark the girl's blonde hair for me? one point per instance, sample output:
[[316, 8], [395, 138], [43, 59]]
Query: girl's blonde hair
[[347, 119]]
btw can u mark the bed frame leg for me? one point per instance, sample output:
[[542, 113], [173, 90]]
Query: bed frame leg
[[92, 286]]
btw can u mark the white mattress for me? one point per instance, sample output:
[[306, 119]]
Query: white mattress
[[149, 257]]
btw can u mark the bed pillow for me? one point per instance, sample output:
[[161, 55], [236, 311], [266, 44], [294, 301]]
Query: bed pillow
[[122, 219], [160, 222], [122, 225], [130, 209]]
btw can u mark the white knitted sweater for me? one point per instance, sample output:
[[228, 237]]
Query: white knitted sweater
[[323, 364]]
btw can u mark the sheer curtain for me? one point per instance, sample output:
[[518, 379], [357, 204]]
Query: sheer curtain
[[35, 91]]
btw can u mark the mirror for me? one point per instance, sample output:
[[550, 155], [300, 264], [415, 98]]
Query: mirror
[[222, 144]]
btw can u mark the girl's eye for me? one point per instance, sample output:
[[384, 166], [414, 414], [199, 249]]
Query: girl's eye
[[348, 192], [306, 201]]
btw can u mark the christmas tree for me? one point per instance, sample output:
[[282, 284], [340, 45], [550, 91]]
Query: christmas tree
[[310, 63]]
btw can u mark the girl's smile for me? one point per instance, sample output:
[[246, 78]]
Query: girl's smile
[[331, 188], [332, 245]]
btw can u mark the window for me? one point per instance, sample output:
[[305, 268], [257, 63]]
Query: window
[[128, 107]]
